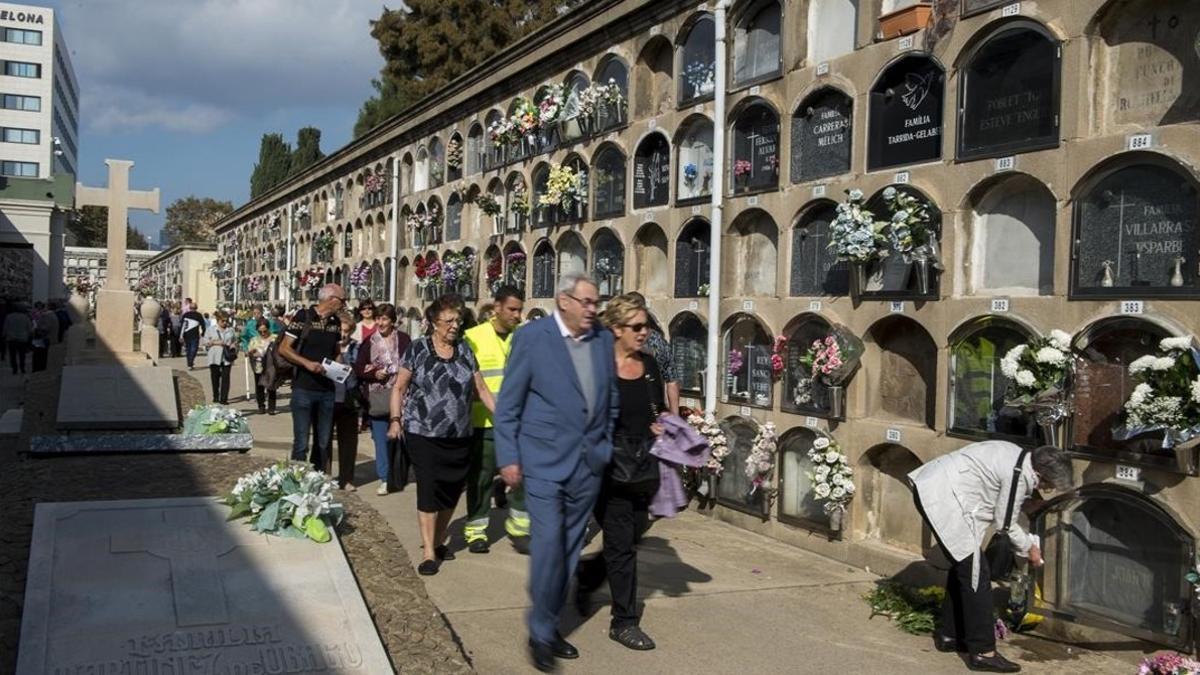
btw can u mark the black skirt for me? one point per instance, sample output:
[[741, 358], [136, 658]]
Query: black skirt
[[441, 466]]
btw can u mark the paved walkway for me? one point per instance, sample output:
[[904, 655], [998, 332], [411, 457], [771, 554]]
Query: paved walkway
[[718, 599]]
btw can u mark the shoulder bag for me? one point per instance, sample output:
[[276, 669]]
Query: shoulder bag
[[999, 554], [283, 367], [632, 466]]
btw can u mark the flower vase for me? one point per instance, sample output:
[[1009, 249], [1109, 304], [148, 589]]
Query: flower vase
[[497, 226], [858, 277], [151, 311], [920, 268], [530, 144], [835, 519], [837, 401], [1054, 432]]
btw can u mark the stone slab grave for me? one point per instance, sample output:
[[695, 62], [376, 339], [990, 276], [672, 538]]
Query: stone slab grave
[[167, 586], [138, 443], [117, 397]]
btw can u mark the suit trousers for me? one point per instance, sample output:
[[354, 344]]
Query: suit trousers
[[559, 513]]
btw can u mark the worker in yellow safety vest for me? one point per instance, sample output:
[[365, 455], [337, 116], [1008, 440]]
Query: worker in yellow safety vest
[[491, 341]]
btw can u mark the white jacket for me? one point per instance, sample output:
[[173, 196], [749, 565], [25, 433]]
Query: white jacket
[[966, 492]]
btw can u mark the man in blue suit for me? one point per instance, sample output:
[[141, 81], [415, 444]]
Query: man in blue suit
[[553, 429]]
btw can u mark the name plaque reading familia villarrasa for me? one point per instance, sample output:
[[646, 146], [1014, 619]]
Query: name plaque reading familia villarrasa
[[167, 587]]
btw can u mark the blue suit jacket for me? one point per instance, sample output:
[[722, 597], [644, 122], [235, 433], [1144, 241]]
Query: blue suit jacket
[[541, 421]]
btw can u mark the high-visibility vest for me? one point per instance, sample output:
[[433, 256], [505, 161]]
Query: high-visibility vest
[[492, 353]]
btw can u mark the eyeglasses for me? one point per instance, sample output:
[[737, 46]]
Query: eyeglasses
[[636, 327], [586, 302], [451, 322]]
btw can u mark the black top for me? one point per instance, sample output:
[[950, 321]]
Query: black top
[[636, 396], [200, 326], [321, 343]]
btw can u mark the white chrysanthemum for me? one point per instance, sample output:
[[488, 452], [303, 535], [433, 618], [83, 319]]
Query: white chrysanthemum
[[821, 443], [838, 492], [856, 194], [822, 490], [832, 456], [1163, 363], [1050, 355], [1142, 363], [1025, 378], [1140, 394], [1060, 339], [1196, 390], [1175, 344]]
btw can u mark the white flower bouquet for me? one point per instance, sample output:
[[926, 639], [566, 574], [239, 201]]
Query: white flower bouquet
[[831, 476], [1167, 396], [855, 235], [706, 424], [910, 230], [760, 463], [287, 500], [206, 420], [1039, 375]]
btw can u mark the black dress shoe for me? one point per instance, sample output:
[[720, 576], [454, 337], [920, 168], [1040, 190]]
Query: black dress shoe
[[428, 568], [542, 656], [443, 552], [479, 546], [992, 664], [945, 644], [563, 649]]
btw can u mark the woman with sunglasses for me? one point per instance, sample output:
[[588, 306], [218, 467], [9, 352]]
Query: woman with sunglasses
[[366, 321], [437, 380], [632, 478]]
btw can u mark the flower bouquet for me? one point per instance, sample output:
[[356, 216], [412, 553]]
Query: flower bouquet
[[831, 360], [488, 205], [736, 362], [1169, 663], [564, 188], [741, 170], [360, 276], [502, 132], [857, 238], [912, 235], [287, 500], [457, 269], [777, 351], [1167, 396], [707, 426], [146, 286], [323, 244], [373, 182], [520, 202], [495, 269], [454, 154], [255, 285], [760, 463], [516, 268], [1039, 374], [84, 285], [207, 420], [690, 172], [832, 478]]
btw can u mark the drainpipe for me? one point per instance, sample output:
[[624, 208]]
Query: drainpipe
[[236, 280], [395, 247], [287, 271], [712, 360]]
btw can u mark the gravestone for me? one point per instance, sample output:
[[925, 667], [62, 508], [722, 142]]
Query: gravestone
[[167, 586], [1136, 233], [609, 187], [1010, 95], [906, 114], [116, 397], [893, 276], [1153, 73], [756, 141], [821, 136], [758, 359], [815, 268], [652, 173]]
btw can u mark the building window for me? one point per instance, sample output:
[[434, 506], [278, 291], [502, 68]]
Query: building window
[[15, 135], [23, 37], [18, 102], [19, 169], [22, 69]]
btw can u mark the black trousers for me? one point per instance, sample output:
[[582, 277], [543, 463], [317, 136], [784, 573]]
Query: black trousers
[[16, 355], [220, 383], [345, 431], [623, 517], [265, 397], [967, 611], [41, 355]]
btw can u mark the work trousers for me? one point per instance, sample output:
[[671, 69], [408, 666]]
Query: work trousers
[[481, 476]]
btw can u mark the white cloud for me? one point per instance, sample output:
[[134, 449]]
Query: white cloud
[[117, 110]]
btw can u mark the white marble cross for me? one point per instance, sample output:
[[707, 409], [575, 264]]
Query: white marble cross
[[119, 199]]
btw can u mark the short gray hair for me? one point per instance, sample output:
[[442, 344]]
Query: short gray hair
[[327, 291], [1053, 467], [568, 282]]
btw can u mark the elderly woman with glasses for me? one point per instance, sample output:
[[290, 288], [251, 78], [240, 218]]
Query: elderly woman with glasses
[[431, 406]]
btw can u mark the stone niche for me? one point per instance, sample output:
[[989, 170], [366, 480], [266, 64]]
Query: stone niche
[[901, 359], [650, 249], [692, 258], [733, 487], [906, 114], [1148, 70], [753, 245], [821, 135], [1012, 238], [689, 350], [1116, 559], [815, 270], [801, 392], [887, 502], [652, 172], [978, 388], [796, 502], [752, 381]]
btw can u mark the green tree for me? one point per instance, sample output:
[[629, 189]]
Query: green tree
[[308, 150], [135, 239], [274, 162], [190, 219], [89, 227], [430, 42]]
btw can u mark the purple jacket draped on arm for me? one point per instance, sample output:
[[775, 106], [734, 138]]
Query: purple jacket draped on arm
[[679, 445]]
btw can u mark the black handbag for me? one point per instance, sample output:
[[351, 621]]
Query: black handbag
[[999, 554], [632, 466], [230, 354]]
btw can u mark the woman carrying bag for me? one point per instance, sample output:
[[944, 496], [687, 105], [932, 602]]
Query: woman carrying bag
[[222, 342], [377, 366]]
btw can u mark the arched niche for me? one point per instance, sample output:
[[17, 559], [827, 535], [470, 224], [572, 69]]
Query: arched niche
[[475, 154], [1012, 238], [1135, 228], [437, 162], [1102, 379], [608, 182], [802, 393], [886, 500], [734, 487], [978, 387], [697, 59], [1145, 67], [415, 322], [902, 360], [455, 157], [905, 125], [652, 78], [608, 263], [821, 135], [572, 255], [543, 216], [696, 165], [757, 48], [893, 277], [407, 172], [1009, 92], [493, 268], [612, 72], [692, 259], [543, 270], [689, 349], [815, 270], [421, 172], [755, 162], [494, 155], [516, 199], [753, 247], [650, 251], [832, 29], [796, 502], [573, 127], [377, 281], [454, 209], [746, 366], [652, 172], [577, 211], [516, 265]]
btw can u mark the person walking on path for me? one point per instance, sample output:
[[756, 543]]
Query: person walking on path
[[221, 343], [18, 333], [346, 408], [437, 379], [378, 365], [633, 475], [251, 328], [491, 341], [45, 333], [193, 326], [310, 338], [553, 426], [257, 351], [960, 495], [657, 346]]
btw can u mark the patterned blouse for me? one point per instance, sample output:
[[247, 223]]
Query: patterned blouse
[[438, 400]]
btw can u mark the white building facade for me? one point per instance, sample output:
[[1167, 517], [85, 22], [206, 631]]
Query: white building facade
[[92, 262]]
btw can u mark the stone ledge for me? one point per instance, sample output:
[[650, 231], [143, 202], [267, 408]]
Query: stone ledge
[[138, 443]]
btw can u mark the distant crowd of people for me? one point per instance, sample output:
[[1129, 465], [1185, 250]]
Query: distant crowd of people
[[29, 331]]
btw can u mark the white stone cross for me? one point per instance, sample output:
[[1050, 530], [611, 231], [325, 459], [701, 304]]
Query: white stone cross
[[119, 199]]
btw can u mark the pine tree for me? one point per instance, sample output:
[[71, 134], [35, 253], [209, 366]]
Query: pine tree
[[308, 150], [274, 162]]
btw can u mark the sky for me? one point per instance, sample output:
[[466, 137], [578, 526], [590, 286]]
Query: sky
[[186, 88]]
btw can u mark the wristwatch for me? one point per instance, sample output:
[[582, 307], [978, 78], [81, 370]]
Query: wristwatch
[[395, 419]]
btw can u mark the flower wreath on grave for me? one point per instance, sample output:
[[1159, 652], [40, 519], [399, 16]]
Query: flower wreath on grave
[[832, 478], [287, 500], [706, 424], [760, 463], [1167, 396], [1039, 372], [208, 420], [1168, 663]]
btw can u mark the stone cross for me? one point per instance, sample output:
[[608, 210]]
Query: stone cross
[[119, 199]]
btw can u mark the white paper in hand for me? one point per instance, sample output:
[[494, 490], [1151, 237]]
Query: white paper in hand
[[338, 372]]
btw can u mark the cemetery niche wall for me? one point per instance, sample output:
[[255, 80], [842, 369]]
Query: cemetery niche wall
[[815, 270], [905, 125]]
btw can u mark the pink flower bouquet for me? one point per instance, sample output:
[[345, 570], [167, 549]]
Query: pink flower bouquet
[[833, 358]]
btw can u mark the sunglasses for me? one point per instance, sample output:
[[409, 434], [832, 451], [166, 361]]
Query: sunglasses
[[636, 327]]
